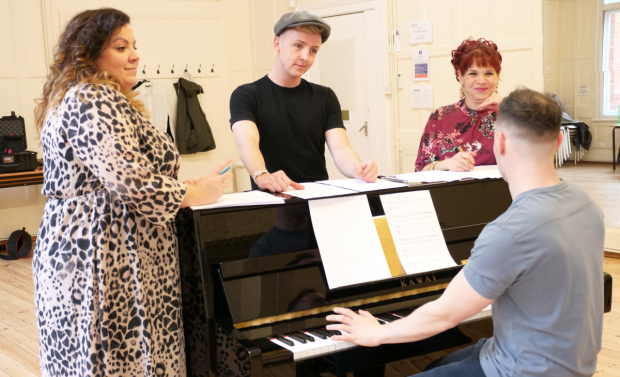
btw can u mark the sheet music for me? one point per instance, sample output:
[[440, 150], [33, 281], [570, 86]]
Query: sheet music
[[249, 198], [348, 241], [361, 186], [416, 232], [316, 190], [479, 172]]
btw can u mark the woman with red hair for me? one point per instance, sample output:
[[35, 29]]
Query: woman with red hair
[[459, 136]]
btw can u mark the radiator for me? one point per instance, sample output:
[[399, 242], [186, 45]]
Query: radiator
[[407, 160]]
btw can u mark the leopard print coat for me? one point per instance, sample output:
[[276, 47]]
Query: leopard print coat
[[106, 274]]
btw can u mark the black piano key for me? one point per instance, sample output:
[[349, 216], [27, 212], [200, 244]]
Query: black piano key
[[385, 318], [391, 316], [304, 336], [335, 332], [297, 338], [318, 334], [327, 333], [285, 341], [404, 312]]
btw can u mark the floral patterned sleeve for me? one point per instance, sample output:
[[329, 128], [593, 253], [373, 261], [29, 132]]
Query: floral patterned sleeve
[[107, 142], [426, 154]]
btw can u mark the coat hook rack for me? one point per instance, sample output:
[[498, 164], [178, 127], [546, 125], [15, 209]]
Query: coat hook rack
[[199, 71], [144, 69], [186, 65], [213, 68], [172, 70], [158, 69]]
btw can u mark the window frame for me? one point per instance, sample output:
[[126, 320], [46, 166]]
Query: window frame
[[602, 56]]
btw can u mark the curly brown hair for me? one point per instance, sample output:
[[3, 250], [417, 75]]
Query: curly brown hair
[[482, 52], [75, 59]]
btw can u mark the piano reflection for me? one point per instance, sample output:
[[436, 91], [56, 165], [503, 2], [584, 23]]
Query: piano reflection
[[255, 293]]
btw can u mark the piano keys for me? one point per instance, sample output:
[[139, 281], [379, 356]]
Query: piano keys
[[251, 275], [320, 342]]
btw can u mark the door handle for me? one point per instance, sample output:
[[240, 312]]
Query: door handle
[[365, 128]]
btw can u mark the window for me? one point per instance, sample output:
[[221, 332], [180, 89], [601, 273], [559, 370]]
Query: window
[[611, 59]]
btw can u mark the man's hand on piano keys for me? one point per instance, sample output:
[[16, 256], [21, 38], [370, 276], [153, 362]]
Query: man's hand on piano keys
[[362, 328]]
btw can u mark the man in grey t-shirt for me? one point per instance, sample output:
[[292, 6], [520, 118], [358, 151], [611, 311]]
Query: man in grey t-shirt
[[541, 263]]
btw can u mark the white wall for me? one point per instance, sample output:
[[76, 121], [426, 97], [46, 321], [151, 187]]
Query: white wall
[[193, 31], [23, 69], [515, 26], [241, 34], [571, 38]]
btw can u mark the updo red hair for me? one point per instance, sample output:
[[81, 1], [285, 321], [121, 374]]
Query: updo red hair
[[482, 53]]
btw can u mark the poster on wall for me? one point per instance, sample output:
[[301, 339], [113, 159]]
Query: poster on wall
[[420, 64], [422, 97], [420, 32]]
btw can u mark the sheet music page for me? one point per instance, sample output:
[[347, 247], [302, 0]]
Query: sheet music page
[[479, 172], [348, 241], [316, 190], [361, 186], [416, 232], [248, 198]]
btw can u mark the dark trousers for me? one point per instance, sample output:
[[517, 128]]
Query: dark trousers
[[462, 363]]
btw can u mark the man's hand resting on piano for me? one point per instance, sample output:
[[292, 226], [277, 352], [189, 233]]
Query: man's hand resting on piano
[[459, 302], [363, 328]]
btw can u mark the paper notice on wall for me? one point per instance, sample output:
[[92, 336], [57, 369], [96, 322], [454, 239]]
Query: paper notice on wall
[[420, 32], [422, 97], [584, 90], [420, 64]]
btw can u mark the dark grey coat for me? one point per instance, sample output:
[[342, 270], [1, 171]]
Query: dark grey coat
[[193, 132]]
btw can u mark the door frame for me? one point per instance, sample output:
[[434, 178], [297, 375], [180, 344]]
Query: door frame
[[380, 136]]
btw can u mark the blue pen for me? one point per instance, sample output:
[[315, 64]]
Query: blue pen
[[225, 170]]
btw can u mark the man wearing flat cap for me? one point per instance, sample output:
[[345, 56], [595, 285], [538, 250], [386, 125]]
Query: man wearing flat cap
[[282, 122]]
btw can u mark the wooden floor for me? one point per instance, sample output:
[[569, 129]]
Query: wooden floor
[[18, 329], [601, 182]]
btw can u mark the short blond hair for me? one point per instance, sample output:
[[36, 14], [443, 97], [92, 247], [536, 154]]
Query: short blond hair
[[312, 29]]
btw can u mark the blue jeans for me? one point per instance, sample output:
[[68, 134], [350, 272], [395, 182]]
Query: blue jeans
[[463, 363]]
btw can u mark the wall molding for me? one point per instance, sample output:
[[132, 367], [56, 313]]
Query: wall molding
[[612, 240]]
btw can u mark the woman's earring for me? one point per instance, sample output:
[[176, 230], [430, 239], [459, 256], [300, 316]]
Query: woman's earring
[[497, 89], [462, 91]]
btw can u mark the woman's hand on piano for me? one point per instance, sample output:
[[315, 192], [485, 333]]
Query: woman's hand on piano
[[362, 328]]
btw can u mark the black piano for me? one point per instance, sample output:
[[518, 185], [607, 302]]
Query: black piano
[[255, 293]]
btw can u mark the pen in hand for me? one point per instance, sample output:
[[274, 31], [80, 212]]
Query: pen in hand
[[225, 170], [461, 150]]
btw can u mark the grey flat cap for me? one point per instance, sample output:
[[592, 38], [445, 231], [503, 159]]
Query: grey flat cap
[[298, 18]]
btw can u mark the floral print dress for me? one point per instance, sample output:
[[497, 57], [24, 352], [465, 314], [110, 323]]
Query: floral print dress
[[105, 265], [453, 126]]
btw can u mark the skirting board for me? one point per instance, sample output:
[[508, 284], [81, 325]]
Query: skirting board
[[612, 240]]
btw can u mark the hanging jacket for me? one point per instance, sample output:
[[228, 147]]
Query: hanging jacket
[[193, 133], [583, 137]]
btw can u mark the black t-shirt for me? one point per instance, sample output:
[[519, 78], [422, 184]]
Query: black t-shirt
[[291, 122]]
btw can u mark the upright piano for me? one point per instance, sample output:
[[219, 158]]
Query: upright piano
[[255, 293]]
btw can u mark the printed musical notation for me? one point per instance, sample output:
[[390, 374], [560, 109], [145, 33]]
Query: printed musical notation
[[348, 241], [416, 232]]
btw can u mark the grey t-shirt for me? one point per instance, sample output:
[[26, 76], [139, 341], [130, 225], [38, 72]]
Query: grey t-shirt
[[542, 260]]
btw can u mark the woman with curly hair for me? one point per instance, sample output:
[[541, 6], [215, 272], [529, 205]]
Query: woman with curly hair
[[459, 136], [105, 267]]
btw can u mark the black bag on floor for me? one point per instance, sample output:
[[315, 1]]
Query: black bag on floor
[[13, 154], [18, 246]]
